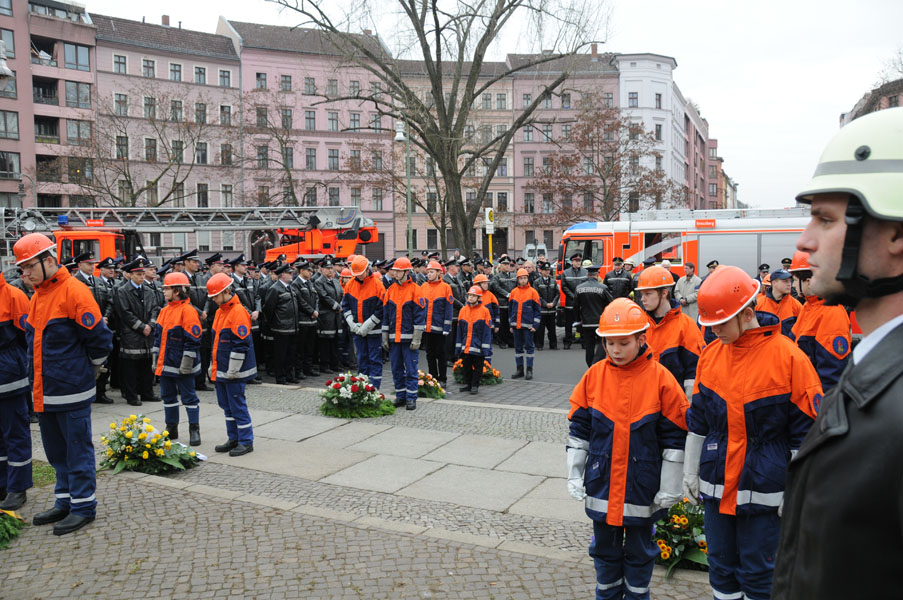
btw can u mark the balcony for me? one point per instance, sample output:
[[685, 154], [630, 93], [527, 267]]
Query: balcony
[[41, 98], [45, 91], [43, 59]]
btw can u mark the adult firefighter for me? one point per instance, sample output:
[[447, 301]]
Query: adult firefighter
[[136, 312], [68, 343], [570, 279], [329, 321], [821, 331], [404, 316], [673, 337], [845, 484], [549, 296], [592, 296], [362, 307], [754, 399]]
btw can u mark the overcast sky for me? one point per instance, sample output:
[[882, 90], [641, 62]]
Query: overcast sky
[[771, 76]]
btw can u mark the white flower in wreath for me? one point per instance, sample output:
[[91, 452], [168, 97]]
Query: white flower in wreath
[[345, 392]]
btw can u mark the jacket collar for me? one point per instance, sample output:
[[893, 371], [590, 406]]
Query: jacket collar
[[865, 382], [769, 324], [640, 362], [45, 287]]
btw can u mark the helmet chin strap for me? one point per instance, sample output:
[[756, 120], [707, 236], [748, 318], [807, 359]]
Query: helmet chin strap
[[857, 286]]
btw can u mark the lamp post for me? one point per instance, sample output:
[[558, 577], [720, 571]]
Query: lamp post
[[404, 136]]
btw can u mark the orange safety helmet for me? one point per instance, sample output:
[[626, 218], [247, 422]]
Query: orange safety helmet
[[346, 272], [653, 278], [402, 264], [434, 266], [480, 278], [359, 265], [523, 273], [32, 245], [723, 294], [218, 284], [766, 281], [175, 280], [622, 317], [800, 262], [475, 290]]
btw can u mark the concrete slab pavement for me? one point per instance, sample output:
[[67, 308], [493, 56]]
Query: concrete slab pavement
[[383, 473], [470, 486]]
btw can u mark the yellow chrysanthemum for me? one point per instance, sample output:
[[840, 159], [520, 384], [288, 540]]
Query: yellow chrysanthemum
[[112, 425], [147, 445], [110, 452], [150, 428], [127, 457], [132, 418], [165, 433], [155, 439], [145, 455], [167, 444], [122, 428], [159, 452], [128, 434], [145, 420], [191, 454], [128, 448], [142, 435]]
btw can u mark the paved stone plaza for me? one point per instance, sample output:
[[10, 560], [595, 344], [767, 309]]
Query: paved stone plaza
[[455, 500]]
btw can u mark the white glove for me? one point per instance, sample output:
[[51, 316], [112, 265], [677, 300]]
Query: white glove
[[99, 370], [386, 341], [416, 339], [781, 505], [691, 467], [688, 388], [366, 327], [235, 362], [155, 353], [576, 468], [210, 372], [187, 365], [669, 491], [352, 326]]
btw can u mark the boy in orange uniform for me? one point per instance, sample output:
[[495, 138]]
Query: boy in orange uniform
[[439, 312], [489, 300], [524, 314], [404, 316], [778, 300], [674, 338], [177, 339], [474, 339], [755, 398], [625, 450]]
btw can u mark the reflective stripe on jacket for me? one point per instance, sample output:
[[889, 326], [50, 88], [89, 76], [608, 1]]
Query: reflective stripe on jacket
[[474, 334], [754, 401], [66, 337], [232, 340], [823, 333], [404, 311], [786, 310], [676, 342], [439, 306], [363, 300], [177, 334], [523, 308], [13, 349], [626, 417]]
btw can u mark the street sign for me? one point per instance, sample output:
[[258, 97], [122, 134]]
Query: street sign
[[488, 221]]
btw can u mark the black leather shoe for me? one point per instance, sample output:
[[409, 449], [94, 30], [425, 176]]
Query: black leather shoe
[[173, 429], [529, 374], [411, 405], [201, 388], [281, 382], [465, 388], [134, 402], [241, 449], [257, 381], [293, 380], [50, 516], [13, 501], [474, 391], [194, 434], [104, 399], [227, 446], [70, 524], [152, 399], [399, 403]]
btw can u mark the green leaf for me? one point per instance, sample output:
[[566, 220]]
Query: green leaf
[[120, 465], [697, 556], [671, 568], [172, 461]]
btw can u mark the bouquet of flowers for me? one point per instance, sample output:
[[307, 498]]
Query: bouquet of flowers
[[352, 396], [490, 375], [135, 444], [10, 524], [428, 386], [681, 536]]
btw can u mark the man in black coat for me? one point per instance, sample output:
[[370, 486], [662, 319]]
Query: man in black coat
[[619, 281], [570, 279], [329, 322], [281, 309], [308, 313], [136, 313], [592, 296]]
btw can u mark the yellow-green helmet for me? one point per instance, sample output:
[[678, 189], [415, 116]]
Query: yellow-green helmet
[[864, 159]]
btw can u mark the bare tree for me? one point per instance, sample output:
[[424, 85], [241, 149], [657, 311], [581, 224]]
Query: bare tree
[[892, 69], [604, 165], [450, 44]]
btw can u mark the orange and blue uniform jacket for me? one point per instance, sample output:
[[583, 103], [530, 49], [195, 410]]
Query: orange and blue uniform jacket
[[13, 349], [823, 333], [439, 306], [627, 418], [474, 334], [786, 310], [492, 303], [66, 338], [363, 301], [754, 401], [177, 334], [232, 341], [676, 342], [523, 308], [404, 311]]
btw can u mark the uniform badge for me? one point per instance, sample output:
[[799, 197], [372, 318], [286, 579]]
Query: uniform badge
[[88, 320], [242, 331], [711, 447], [195, 330], [840, 345], [617, 317], [816, 402]]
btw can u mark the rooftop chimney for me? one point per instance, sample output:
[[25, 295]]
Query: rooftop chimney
[[166, 20], [595, 52]]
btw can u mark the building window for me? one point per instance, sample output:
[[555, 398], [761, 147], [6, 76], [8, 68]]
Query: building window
[[225, 115], [332, 121], [658, 132], [6, 7], [261, 81], [121, 105], [9, 165], [608, 100], [713, 189], [148, 68], [175, 110], [529, 236], [310, 86], [261, 116], [150, 107], [354, 88], [502, 170], [565, 100], [310, 196], [566, 131], [200, 113], [376, 121], [78, 133], [658, 163], [412, 166], [528, 99], [225, 153], [713, 172], [310, 120], [332, 87], [9, 124], [288, 196], [175, 72], [528, 202], [332, 159], [200, 153], [713, 152], [432, 239], [310, 159], [487, 101], [285, 83], [502, 205], [178, 150], [8, 87], [355, 121], [333, 196], [178, 194], [263, 195], [376, 158], [76, 57], [528, 133], [356, 197], [547, 203], [501, 101], [203, 195], [225, 78], [288, 157], [528, 166], [78, 95], [377, 199], [8, 38], [263, 157], [228, 240], [355, 160], [547, 132], [588, 201], [633, 99], [893, 101], [658, 101], [200, 75], [119, 64], [150, 149], [226, 195], [548, 238], [633, 201], [122, 147], [286, 115], [547, 100]]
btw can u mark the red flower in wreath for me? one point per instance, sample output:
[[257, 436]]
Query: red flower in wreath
[[336, 386], [354, 387]]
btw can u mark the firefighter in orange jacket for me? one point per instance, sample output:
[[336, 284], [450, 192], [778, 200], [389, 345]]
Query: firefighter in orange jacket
[[492, 304], [15, 434], [438, 324], [778, 300], [177, 340], [232, 363], [404, 316], [625, 450], [821, 331], [362, 307], [674, 338], [473, 341], [68, 342], [755, 398], [524, 314]]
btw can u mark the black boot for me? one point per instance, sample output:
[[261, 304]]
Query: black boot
[[194, 434], [13, 501], [399, 402], [173, 429], [529, 373], [519, 374], [227, 446], [411, 405]]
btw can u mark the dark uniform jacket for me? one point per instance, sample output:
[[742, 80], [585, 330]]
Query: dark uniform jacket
[[465, 280], [197, 293], [99, 290], [135, 308], [29, 291], [843, 501], [591, 299], [570, 279], [501, 285], [329, 293], [307, 302], [547, 288], [246, 291], [458, 293], [619, 284], [281, 308]]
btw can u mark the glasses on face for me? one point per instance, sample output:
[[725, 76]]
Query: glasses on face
[[30, 266]]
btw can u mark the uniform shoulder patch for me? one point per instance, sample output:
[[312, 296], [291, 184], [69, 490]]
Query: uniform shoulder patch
[[195, 330], [242, 331], [840, 345], [816, 402], [422, 302], [88, 320]]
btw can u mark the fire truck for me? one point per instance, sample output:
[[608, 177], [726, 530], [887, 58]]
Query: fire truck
[[311, 232]]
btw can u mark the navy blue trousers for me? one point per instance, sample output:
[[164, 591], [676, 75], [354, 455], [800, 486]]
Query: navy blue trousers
[[15, 443], [523, 347], [404, 370], [67, 443], [171, 388], [370, 358], [624, 558], [231, 398]]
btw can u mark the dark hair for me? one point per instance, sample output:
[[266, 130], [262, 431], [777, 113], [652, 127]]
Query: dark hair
[[180, 291]]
